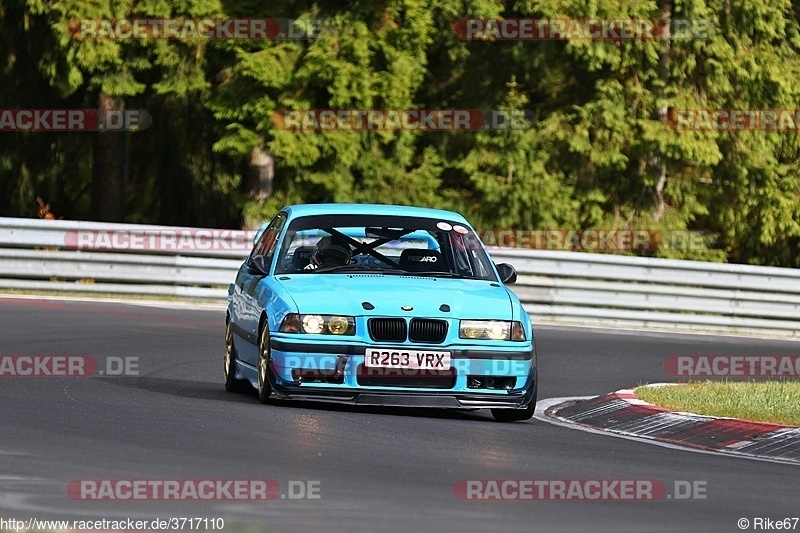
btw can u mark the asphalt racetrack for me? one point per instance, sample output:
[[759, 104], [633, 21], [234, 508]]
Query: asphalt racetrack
[[377, 469]]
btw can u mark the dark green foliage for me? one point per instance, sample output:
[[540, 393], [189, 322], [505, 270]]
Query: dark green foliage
[[597, 154]]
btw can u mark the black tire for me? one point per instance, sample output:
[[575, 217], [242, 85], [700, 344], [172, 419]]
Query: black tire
[[231, 383], [264, 388], [518, 415]]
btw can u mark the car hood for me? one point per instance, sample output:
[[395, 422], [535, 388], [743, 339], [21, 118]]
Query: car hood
[[344, 293]]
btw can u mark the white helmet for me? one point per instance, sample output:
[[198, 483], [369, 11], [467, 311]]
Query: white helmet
[[331, 251]]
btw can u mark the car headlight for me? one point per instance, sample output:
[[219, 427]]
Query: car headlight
[[313, 324], [318, 324], [498, 330], [338, 325]]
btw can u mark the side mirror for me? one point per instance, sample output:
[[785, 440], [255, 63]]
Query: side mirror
[[508, 275], [258, 266]]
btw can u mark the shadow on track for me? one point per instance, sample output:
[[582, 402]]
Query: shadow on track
[[203, 390]]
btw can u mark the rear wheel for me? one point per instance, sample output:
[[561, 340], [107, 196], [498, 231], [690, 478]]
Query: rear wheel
[[264, 388], [517, 415], [231, 383]]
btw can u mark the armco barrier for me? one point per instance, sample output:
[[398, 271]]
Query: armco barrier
[[562, 287]]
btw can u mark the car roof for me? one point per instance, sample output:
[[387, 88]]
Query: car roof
[[301, 210]]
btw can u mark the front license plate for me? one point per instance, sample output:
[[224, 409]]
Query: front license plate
[[399, 358]]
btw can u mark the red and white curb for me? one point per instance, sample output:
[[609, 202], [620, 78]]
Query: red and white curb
[[622, 414]]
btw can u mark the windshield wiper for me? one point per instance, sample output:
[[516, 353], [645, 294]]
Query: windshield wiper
[[390, 271], [439, 274], [359, 268]]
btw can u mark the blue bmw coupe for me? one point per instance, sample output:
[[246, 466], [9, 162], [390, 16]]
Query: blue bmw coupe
[[379, 305]]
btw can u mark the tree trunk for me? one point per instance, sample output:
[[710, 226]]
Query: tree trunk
[[663, 67], [262, 172], [108, 194]]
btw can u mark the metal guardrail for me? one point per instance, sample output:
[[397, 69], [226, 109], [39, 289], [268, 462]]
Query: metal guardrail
[[561, 287], [623, 291]]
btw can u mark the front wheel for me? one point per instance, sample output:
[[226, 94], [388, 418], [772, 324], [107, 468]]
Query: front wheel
[[264, 388], [231, 383]]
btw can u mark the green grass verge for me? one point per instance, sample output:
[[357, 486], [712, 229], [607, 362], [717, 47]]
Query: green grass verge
[[764, 401]]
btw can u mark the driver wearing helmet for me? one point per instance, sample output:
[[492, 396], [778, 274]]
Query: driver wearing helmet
[[330, 251]]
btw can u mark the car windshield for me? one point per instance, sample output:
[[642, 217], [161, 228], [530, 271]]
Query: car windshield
[[329, 244]]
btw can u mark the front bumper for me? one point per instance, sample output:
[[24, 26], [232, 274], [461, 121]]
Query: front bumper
[[515, 363]]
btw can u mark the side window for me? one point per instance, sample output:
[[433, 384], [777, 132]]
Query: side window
[[460, 254], [266, 244], [466, 257]]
